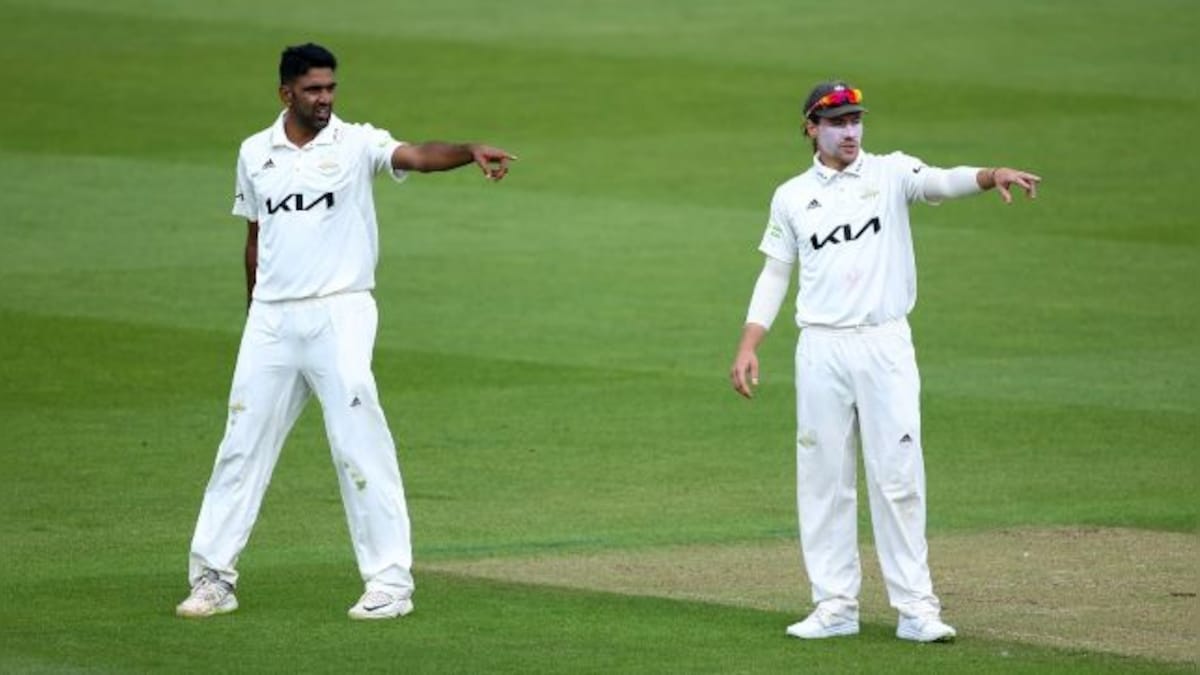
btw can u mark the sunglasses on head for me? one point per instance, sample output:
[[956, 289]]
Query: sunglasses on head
[[835, 98]]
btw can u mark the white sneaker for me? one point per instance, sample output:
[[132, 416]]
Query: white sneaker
[[210, 596], [924, 629], [380, 605], [823, 623]]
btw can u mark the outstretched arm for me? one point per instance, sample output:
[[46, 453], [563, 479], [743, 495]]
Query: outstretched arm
[[941, 184], [769, 292], [439, 156]]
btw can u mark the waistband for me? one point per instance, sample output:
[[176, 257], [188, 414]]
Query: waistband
[[895, 325], [318, 301]]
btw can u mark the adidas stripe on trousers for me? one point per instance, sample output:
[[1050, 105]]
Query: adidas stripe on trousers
[[852, 384], [289, 350]]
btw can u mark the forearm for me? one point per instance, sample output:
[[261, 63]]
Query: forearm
[[251, 262], [961, 181], [769, 293], [250, 259], [434, 156]]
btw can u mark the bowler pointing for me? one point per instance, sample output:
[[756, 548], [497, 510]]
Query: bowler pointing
[[304, 186]]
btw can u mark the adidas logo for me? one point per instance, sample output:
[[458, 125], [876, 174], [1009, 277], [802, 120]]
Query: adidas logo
[[906, 439], [814, 204], [355, 403], [269, 164]]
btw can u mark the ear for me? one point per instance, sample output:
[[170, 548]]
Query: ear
[[810, 128], [285, 95]]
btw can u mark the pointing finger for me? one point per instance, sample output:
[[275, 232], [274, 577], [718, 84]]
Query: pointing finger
[[1032, 180], [1025, 184]]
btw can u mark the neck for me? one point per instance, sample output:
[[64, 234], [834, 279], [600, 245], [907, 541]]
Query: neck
[[297, 132]]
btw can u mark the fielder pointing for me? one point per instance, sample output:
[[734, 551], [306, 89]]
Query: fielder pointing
[[845, 220], [304, 185]]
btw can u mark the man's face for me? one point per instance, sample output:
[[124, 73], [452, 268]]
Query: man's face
[[839, 139], [309, 98]]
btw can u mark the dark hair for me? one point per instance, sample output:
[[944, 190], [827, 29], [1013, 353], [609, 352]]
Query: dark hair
[[299, 59]]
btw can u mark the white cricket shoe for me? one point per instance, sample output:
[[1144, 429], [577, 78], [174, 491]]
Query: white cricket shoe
[[209, 597], [823, 623], [924, 629], [380, 605]]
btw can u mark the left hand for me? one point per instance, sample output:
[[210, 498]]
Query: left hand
[[1004, 178], [493, 161]]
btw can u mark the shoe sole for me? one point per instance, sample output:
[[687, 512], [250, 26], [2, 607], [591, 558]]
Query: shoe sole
[[840, 631], [225, 608], [403, 610], [917, 637]]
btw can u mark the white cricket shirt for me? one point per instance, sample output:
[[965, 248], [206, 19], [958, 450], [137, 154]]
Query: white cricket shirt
[[850, 232], [315, 208]]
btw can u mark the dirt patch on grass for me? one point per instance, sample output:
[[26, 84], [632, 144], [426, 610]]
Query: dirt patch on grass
[[1123, 591]]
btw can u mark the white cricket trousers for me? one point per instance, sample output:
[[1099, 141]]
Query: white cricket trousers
[[289, 349], [854, 383]]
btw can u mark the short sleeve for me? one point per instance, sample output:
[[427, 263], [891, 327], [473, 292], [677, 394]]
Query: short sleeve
[[779, 241], [380, 146], [245, 203]]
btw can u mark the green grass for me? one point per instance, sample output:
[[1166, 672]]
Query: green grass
[[469, 626], [553, 349]]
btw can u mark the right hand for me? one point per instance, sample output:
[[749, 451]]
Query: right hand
[[744, 373], [1004, 178], [493, 161]]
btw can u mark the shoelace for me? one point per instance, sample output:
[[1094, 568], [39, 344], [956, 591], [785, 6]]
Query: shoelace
[[210, 591], [828, 618]]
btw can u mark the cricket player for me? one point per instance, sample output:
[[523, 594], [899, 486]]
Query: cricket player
[[304, 186], [845, 220]]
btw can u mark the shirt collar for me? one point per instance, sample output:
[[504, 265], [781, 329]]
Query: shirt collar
[[324, 137], [827, 174]]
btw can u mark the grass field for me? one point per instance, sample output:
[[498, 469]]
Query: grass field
[[553, 349]]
